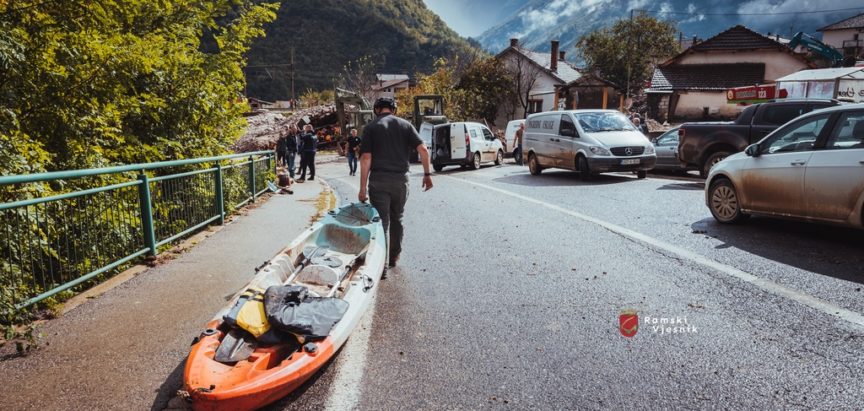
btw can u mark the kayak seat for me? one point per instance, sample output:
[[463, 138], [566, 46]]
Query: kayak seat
[[347, 240], [318, 275]]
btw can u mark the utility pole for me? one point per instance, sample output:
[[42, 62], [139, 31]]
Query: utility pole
[[292, 73]]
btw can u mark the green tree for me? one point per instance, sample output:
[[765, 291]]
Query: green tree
[[627, 52], [89, 84], [472, 90]]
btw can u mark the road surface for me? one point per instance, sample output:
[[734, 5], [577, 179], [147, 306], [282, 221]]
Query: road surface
[[511, 286]]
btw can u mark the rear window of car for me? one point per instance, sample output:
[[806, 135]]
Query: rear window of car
[[782, 114]]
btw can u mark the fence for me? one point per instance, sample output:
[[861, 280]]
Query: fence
[[52, 244]]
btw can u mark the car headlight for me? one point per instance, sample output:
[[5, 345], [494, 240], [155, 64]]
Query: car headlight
[[649, 149], [600, 151]]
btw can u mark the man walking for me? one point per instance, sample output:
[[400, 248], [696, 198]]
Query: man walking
[[385, 150], [517, 144], [308, 146], [352, 147]]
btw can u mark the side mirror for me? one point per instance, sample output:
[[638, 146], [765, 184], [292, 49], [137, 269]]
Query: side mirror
[[752, 150], [654, 140]]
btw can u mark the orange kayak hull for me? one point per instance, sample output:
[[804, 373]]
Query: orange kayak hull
[[268, 375]]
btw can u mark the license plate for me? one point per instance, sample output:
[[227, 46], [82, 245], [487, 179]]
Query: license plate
[[630, 161]]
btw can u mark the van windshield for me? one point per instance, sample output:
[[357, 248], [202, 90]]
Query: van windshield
[[600, 122]]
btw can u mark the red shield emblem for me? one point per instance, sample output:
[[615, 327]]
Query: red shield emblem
[[628, 323]]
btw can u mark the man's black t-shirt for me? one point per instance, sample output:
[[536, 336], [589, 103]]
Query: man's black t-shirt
[[353, 142], [389, 139]]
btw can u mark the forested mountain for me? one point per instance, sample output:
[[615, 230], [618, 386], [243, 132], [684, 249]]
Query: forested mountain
[[401, 36]]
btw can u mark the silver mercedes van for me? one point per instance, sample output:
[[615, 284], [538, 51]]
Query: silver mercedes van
[[587, 141]]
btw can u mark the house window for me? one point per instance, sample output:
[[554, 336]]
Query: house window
[[535, 106]]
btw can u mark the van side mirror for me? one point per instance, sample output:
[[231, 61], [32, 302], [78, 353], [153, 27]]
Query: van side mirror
[[752, 150]]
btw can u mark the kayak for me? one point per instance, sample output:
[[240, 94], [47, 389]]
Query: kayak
[[313, 294]]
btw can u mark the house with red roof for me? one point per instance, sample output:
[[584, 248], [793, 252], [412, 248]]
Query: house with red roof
[[693, 84]]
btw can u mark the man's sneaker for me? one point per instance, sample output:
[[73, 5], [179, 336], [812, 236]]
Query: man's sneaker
[[301, 180], [311, 178]]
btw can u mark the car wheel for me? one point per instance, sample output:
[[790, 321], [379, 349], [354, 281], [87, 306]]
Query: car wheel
[[711, 161], [584, 169], [641, 174], [533, 165], [499, 158], [475, 161], [438, 167], [724, 202]]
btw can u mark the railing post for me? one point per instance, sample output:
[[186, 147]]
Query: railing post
[[147, 213], [252, 177], [220, 194]]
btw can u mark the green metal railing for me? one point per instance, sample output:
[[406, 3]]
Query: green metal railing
[[114, 215]]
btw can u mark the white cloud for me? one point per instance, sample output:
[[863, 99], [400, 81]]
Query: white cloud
[[536, 19], [758, 12]]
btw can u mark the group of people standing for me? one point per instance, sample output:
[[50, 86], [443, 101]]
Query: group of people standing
[[293, 143]]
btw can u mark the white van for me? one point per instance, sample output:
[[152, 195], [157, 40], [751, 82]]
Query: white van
[[461, 143], [510, 136], [588, 141]]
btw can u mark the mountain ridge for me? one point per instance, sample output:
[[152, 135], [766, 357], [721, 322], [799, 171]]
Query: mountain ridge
[[540, 21], [400, 36]]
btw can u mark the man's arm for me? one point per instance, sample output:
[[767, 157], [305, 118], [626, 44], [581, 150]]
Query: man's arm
[[424, 158], [365, 164]]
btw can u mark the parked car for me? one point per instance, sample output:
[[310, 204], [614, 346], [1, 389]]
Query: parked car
[[666, 147], [510, 136], [462, 143], [588, 141], [701, 145], [811, 168]]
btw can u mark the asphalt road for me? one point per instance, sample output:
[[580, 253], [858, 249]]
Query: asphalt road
[[510, 289]]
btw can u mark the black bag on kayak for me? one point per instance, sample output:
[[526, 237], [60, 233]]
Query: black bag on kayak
[[289, 308]]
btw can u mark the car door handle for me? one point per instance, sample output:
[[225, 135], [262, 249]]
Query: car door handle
[[861, 162], [798, 163], [555, 139]]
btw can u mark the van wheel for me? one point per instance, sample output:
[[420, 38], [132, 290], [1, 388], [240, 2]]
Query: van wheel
[[499, 158], [724, 203], [710, 161], [584, 169], [533, 165], [438, 167], [475, 161], [641, 174]]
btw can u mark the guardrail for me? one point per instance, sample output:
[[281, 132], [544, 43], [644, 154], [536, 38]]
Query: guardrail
[[51, 244]]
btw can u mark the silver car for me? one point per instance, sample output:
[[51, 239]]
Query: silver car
[[811, 168], [666, 146]]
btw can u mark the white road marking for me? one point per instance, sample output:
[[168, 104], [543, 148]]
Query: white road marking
[[344, 392], [765, 284]]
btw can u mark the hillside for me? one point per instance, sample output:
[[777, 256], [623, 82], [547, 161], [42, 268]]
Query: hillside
[[402, 36], [539, 21]]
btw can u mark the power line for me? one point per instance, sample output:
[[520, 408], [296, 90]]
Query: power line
[[687, 13]]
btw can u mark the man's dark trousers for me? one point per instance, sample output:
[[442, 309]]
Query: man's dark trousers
[[290, 158], [388, 193]]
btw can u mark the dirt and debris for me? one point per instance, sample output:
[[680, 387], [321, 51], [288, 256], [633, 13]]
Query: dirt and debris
[[265, 126]]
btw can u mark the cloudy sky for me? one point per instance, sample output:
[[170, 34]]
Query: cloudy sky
[[471, 18]]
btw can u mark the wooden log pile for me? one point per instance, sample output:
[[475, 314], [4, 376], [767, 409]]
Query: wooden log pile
[[265, 127]]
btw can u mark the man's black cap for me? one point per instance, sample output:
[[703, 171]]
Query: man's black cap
[[385, 102]]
